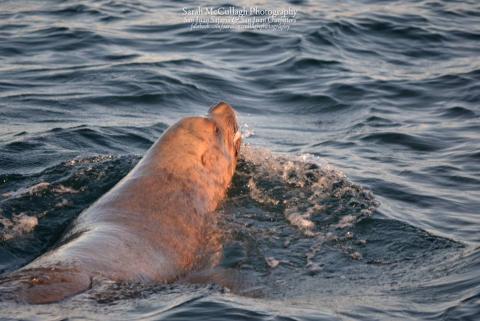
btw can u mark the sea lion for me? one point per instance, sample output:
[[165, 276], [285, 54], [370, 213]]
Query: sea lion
[[155, 225]]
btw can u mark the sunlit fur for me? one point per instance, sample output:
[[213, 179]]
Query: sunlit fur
[[156, 224]]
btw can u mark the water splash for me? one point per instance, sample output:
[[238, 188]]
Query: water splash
[[313, 195], [283, 211], [17, 225], [32, 190], [247, 131]]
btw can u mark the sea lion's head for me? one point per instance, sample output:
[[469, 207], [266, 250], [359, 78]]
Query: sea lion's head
[[226, 131], [198, 146], [226, 123]]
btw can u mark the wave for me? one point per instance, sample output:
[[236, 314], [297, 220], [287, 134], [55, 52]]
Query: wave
[[410, 141]]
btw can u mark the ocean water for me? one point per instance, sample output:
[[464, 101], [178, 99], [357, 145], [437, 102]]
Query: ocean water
[[357, 193]]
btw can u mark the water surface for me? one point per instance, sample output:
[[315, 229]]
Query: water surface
[[356, 197]]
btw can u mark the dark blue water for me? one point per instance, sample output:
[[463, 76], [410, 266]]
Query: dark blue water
[[357, 197]]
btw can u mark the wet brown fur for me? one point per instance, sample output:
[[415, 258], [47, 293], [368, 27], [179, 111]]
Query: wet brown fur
[[155, 225]]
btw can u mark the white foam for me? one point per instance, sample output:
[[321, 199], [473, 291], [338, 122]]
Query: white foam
[[302, 185], [34, 189], [60, 189], [246, 131], [346, 221], [258, 195], [18, 225]]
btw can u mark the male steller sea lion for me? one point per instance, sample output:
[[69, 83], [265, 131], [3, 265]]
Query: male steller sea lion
[[155, 225]]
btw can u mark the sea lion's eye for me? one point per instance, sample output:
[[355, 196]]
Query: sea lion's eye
[[217, 130]]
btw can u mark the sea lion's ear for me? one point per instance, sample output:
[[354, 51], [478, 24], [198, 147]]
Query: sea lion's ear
[[207, 159]]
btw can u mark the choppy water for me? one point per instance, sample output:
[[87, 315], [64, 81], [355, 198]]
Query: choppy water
[[356, 199]]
